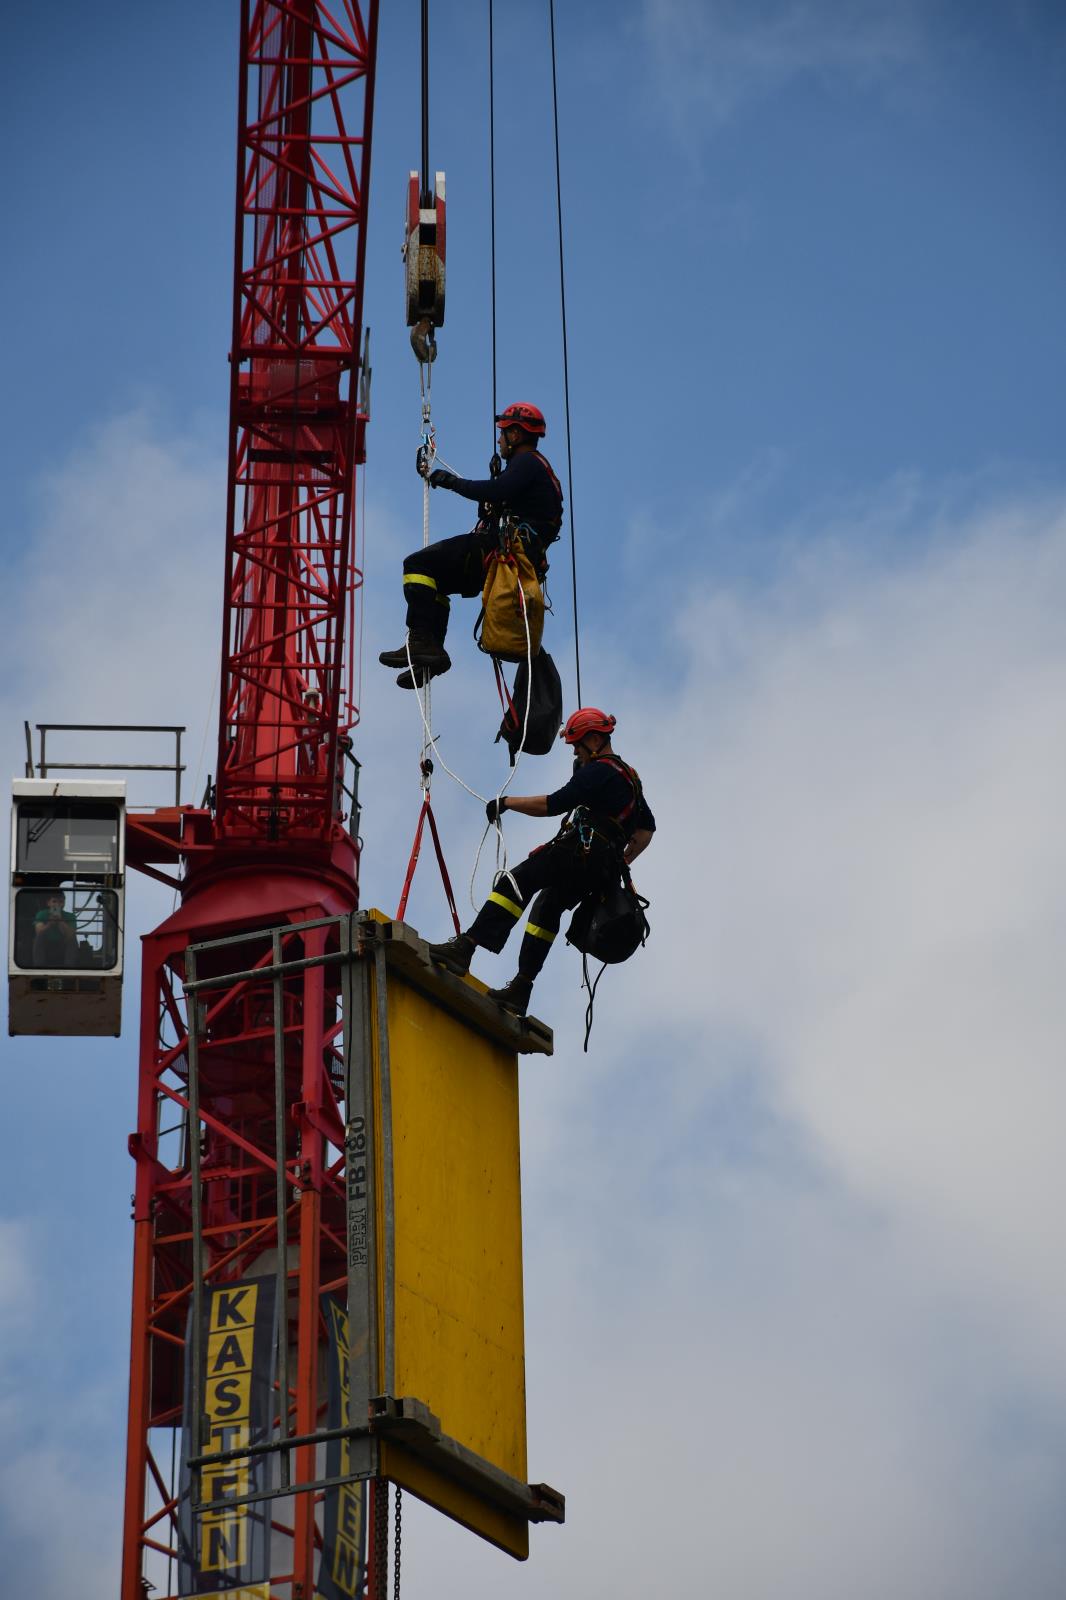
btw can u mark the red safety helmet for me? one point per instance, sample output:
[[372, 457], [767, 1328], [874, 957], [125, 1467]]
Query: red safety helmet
[[523, 415], [587, 719]]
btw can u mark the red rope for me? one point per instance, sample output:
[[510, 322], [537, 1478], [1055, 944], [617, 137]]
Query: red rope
[[427, 811], [502, 690]]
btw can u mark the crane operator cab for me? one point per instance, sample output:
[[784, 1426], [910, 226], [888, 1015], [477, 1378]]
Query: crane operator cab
[[67, 907]]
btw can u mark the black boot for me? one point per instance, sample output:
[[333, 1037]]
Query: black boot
[[425, 652], [514, 996], [455, 954], [420, 679]]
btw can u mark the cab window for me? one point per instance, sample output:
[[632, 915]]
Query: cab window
[[75, 836]]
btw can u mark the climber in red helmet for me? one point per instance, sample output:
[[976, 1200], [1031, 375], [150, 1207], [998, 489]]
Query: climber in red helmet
[[607, 820], [526, 490]]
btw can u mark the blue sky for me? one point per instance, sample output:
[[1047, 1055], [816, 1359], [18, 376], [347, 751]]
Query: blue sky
[[794, 1226]]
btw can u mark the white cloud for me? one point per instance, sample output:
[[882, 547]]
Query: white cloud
[[118, 613], [874, 880], [712, 57]]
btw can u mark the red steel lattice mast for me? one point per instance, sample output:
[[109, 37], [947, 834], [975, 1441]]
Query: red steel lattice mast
[[273, 851], [295, 427]]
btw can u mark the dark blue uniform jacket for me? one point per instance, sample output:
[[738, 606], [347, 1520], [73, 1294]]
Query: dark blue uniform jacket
[[526, 487], [604, 792]]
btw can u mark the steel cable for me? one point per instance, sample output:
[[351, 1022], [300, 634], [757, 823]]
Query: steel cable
[[492, 214], [566, 362]]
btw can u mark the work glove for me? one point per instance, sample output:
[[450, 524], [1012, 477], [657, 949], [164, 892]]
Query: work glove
[[495, 809], [439, 479]]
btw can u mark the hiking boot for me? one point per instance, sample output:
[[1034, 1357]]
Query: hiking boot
[[425, 651], [514, 996], [456, 954]]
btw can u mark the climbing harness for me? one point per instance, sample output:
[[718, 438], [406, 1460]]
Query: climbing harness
[[631, 776]]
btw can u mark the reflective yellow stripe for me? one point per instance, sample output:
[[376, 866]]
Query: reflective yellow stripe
[[547, 934], [419, 577], [508, 905]]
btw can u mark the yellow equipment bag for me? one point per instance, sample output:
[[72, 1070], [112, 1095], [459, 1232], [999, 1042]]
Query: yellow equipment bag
[[512, 596]]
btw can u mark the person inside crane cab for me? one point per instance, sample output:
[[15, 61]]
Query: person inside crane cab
[[527, 490], [55, 934], [607, 822]]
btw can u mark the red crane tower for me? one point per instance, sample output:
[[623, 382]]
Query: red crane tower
[[271, 849]]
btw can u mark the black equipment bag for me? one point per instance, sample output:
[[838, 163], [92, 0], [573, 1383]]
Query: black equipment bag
[[610, 925], [545, 709]]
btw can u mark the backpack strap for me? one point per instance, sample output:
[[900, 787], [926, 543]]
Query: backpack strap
[[631, 777], [546, 464]]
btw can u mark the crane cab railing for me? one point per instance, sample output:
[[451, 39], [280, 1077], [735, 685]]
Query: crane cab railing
[[67, 907]]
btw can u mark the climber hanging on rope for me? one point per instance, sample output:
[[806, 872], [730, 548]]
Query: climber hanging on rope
[[527, 490], [608, 822]]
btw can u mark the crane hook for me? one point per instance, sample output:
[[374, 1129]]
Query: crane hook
[[424, 340]]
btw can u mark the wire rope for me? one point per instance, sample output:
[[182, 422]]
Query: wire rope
[[566, 362], [492, 211], [425, 103]]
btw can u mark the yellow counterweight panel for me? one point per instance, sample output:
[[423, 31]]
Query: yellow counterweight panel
[[458, 1339]]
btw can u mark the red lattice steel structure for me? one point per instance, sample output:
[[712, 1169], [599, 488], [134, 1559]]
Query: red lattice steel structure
[[247, 1026], [295, 425], [273, 851]]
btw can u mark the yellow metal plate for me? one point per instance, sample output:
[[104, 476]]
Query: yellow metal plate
[[459, 1338]]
